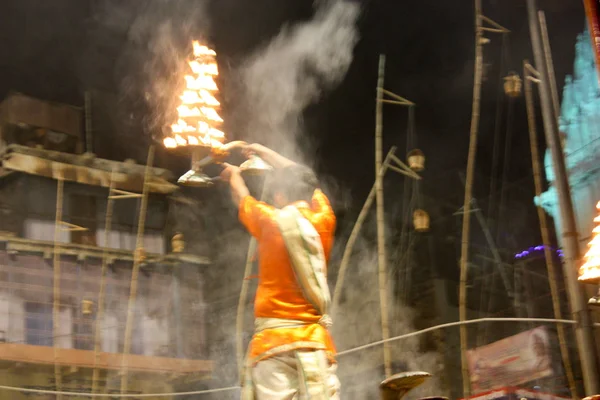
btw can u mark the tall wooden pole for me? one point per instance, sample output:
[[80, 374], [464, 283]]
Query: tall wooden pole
[[137, 260], [381, 253], [583, 328], [339, 285], [549, 64], [56, 267], [103, 272], [466, 223], [552, 277]]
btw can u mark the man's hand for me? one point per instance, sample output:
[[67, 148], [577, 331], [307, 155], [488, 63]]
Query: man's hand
[[232, 175], [228, 172], [254, 148]]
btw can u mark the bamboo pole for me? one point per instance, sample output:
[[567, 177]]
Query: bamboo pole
[[56, 267], [591, 13], [100, 314], [137, 259], [381, 255], [552, 277], [89, 138], [242, 306], [583, 331], [549, 63], [244, 295], [354, 234], [466, 223]]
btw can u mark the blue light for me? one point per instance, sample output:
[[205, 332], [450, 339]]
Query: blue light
[[538, 248]]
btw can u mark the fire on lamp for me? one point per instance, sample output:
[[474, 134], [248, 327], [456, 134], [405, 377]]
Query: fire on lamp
[[198, 125], [589, 272]]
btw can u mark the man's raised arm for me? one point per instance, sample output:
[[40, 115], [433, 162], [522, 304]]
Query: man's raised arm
[[239, 190], [273, 158]]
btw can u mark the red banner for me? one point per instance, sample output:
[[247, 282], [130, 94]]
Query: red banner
[[511, 361], [593, 18]]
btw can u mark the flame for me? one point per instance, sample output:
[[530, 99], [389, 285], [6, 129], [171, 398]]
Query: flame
[[170, 143], [206, 69], [590, 270], [203, 127], [199, 118], [180, 140], [216, 133], [201, 82], [211, 114], [209, 99], [200, 50]]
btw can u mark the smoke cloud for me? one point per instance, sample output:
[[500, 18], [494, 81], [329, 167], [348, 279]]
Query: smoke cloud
[[358, 322], [279, 81]]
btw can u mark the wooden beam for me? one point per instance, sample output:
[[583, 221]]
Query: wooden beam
[[94, 252], [81, 174], [75, 358]]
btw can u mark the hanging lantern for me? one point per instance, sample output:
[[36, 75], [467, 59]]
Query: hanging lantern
[[512, 85], [589, 272], [416, 160], [87, 307], [177, 243], [421, 220]]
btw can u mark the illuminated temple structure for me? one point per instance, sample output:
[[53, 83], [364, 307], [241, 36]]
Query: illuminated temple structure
[[579, 124]]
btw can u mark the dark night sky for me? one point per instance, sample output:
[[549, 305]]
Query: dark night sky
[[429, 47]]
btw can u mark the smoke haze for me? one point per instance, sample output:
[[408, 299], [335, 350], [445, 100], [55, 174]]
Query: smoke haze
[[268, 94], [279, 81]]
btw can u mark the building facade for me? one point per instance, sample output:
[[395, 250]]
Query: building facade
[[71, 317]]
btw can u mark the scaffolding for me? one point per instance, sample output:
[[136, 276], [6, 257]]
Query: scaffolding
[[59, 225], [139, 256]]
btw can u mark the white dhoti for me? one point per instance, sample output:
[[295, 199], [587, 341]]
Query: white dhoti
[[296, 375]]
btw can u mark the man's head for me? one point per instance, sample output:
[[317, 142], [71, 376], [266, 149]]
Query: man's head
[[291, 184]]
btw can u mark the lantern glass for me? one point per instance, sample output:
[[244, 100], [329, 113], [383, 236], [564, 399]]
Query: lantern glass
[[177, 243], [87, 307], [512, 85], [416, 160], [421, 220]]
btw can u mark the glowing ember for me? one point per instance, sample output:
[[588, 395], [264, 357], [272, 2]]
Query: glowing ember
[[590, 270], [199, 119]]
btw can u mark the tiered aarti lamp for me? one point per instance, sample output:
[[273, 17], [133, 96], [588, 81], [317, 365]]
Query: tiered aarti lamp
[[199, 123], [589, 272]]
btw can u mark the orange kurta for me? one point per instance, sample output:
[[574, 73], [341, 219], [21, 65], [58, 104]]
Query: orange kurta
[[278, 294]]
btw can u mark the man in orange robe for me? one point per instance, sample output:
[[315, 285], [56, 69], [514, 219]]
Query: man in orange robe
[[291, 354]]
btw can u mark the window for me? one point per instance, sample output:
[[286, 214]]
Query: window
[[83, 213], [38, 324]]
